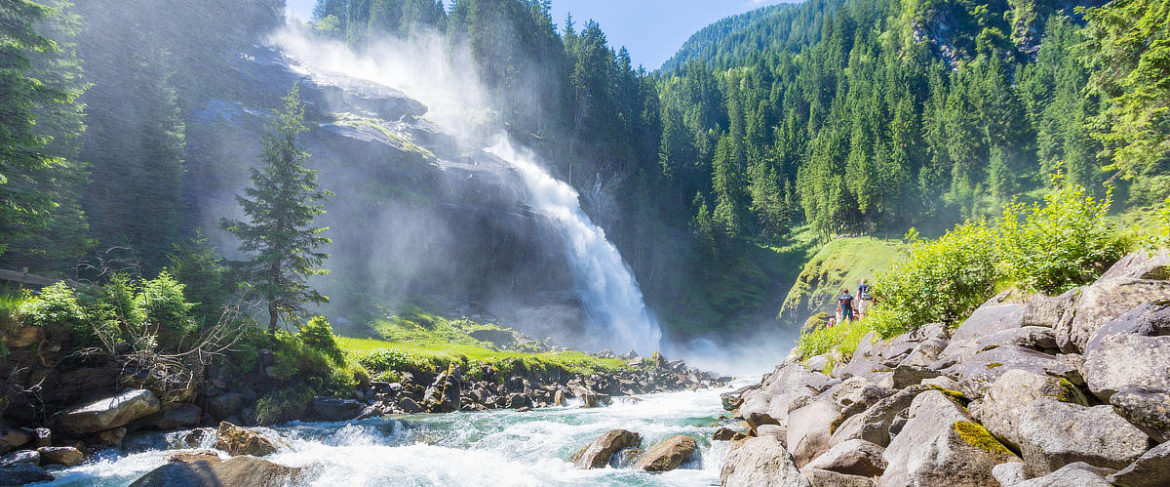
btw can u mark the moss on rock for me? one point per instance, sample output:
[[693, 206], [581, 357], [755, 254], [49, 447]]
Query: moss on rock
[[977, 436]]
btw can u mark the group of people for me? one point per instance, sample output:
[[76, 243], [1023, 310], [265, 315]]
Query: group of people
[[850, 307]]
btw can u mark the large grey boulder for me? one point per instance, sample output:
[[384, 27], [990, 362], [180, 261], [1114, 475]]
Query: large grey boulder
[[1007, 401], [1052, 434], [1152, 469], [1011, 473], [597, 453], [873, 424], [1127, 364], [1074, 474], [173, 416], [1141, 265], [853, 457], [1048, 311], [789, 387], [994, 316], [668, 454], [1103, 301], [235, 472], [809, 430], [941, 444], [977, 372], [107, 414], [760, 462]]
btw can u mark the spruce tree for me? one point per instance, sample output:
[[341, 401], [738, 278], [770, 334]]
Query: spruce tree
[[281, 205]]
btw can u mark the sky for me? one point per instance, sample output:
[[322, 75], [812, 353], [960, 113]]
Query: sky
[[652, 29]]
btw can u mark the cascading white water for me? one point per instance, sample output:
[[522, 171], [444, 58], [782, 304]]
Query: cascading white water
[[606, 285]]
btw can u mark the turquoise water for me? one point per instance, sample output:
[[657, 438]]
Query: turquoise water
[[495, 448]]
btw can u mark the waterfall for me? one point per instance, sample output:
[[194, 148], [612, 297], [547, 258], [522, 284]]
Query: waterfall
[[424, 69], [607, 287]]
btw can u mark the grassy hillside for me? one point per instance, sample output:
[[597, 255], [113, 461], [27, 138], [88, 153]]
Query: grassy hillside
[[841, 263]]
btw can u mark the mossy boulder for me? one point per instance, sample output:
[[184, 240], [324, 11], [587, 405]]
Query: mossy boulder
[[238, 441]]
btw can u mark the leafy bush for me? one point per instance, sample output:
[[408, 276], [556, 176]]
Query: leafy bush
[[163, 305], [939, 281], [1060, 244], [844, 337], [56, 305], [318, 334]]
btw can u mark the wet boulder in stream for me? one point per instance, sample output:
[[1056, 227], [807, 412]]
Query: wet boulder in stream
[[597, 454]]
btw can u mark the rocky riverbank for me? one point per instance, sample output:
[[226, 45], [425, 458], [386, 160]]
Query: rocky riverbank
[[67, 436], [1030, 391]]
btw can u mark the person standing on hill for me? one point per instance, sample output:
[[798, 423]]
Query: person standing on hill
[[865, 298], [845, 306]]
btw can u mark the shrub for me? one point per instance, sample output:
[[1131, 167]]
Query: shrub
[[318, 334], [56, 305], [939, 281], [844, 337], [163, 305], [1060, 244]]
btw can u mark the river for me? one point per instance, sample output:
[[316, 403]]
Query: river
[[495, 448]]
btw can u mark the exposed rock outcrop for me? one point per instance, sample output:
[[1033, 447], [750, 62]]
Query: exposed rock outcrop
[[107, 414], [760, 462], [236, 472], [238, 441], [668, 454]]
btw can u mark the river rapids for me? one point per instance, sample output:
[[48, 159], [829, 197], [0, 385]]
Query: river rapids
[[495, 448]]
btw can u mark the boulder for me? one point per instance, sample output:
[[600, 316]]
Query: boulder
[[106, 414], [42, 437], [23, 473], [1039, 338], [334, 409], [873, 424], [22, 456], [174, 416], [1011, 473], [112, 437], [1103, 301], [595, 399], [1008, 400], [235, 472], [1152, 469], [727, 434], [760, 462], [409, 406], [60, 455], [904, 376], [13, 438], [192, 456], [1074, 474], [1127, 365], [518, 400], [627, 457], [853, 457], [1048, 311], [809, 430], [825, 478], [238, 441], [22, 337], [788, 388], [1052, 434], [225, 405], [977, 372], [597, 453], [994, 316], [443, 395], [941, 445], [668, 454], [1141, 265]]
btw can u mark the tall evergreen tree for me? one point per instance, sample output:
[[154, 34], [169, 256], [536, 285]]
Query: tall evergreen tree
[[281, 205]]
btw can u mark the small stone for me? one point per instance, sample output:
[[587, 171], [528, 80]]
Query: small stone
[[60, 455]]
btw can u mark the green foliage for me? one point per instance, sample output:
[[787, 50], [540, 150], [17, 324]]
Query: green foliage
[[843, 338], [1059, 244], [205, 278], [1130, 43], [281, 205], [162, 302], [282, 405], [318, 334], [55, 305], [939, 281]]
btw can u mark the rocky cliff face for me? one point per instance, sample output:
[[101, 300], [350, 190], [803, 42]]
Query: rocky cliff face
[[1028, 391], [417, 215]]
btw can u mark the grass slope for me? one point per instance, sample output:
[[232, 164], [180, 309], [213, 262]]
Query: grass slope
[[841, 263]]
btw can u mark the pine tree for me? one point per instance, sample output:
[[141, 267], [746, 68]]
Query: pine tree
[[281, 205]]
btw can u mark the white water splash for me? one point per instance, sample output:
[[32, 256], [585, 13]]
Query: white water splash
[[425, 69], [605, 283]]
